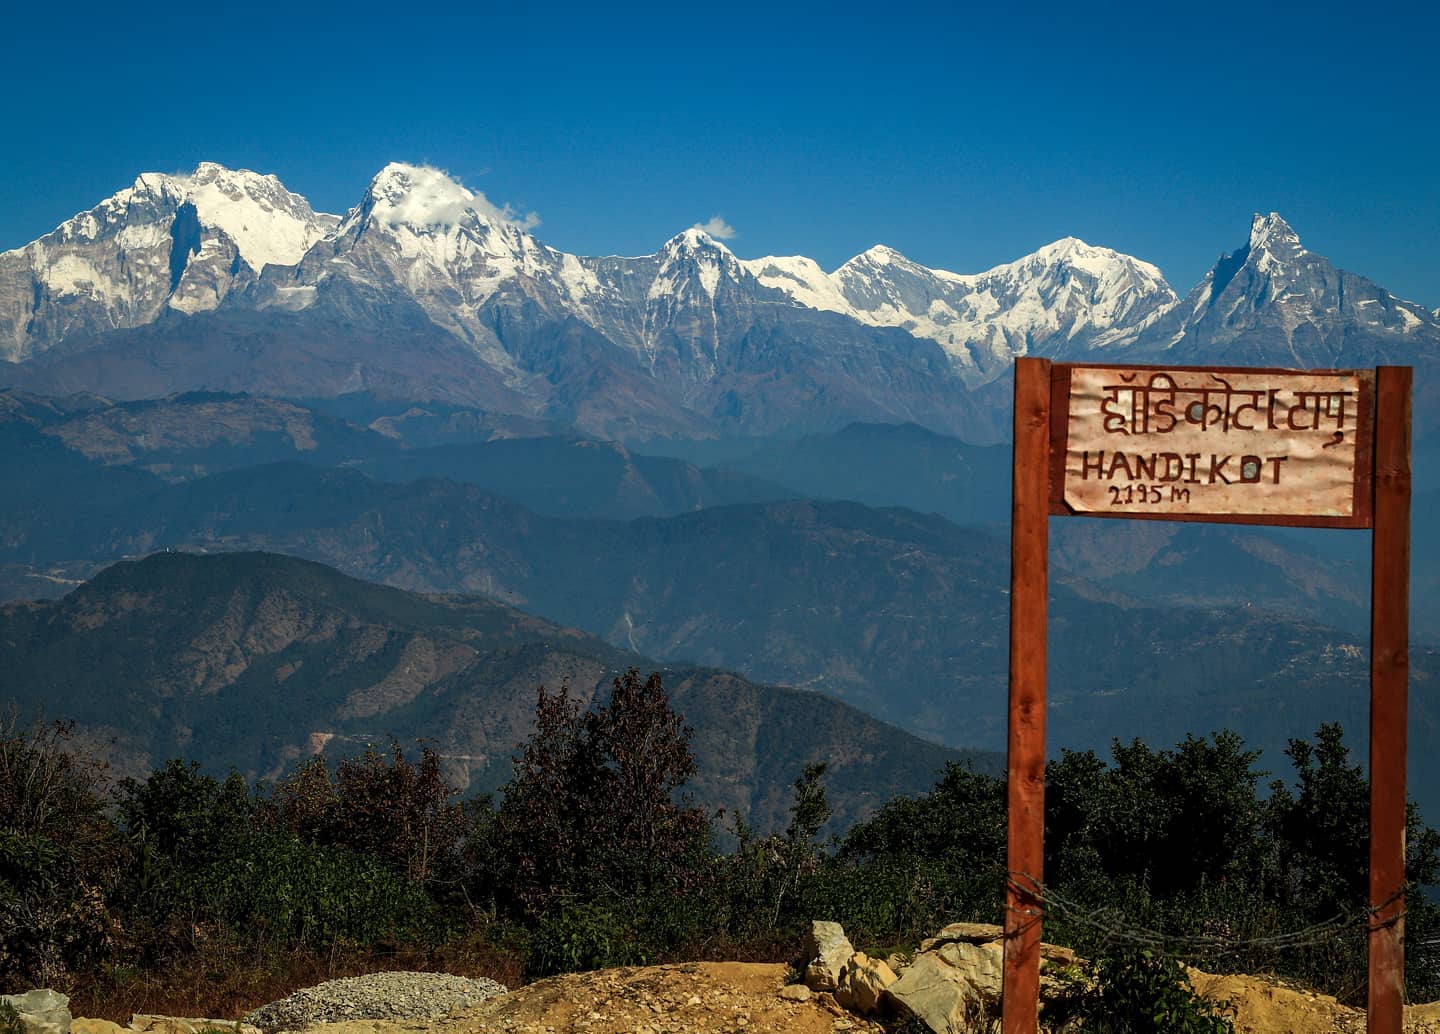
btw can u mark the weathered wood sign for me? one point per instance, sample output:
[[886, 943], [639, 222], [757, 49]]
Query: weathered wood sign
[[1179, 443], [1319, 448]]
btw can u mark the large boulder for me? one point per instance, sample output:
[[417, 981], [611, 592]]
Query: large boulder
[[952, 988], [828, 950], [867, 980], [42, 1011], [964, 933]]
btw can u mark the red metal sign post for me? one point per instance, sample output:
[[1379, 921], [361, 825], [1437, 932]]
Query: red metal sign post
[[1313, 448]]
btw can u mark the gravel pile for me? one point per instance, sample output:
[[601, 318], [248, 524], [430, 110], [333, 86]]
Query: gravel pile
[[378, 996]]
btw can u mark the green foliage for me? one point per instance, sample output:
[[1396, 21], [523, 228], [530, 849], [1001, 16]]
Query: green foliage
[[45, 788], [1169, 820], [1139, 992], [960, 824], [285, 893], [763, 874], [10, 1022], [574, 937], [922, 861], [181, 813], [592, 810], [1182, 842], [53, 921], [379, 804]]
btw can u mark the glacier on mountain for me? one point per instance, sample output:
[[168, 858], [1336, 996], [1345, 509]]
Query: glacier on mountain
[[425, 275]]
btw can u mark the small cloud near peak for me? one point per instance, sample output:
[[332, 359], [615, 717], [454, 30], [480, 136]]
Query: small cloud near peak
[[717, 228]]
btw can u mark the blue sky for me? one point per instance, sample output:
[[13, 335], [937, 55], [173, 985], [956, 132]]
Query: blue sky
[[964, 137]]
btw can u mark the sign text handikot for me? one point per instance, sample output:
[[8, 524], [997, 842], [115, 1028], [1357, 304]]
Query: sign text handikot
[[1187, 443]]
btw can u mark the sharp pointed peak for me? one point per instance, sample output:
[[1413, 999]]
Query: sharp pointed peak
[[1268, 229]]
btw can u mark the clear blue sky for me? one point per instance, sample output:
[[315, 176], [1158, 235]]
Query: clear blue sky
[[964, 138]]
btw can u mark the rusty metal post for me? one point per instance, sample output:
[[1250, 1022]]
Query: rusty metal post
[[1389, 689], [1025, 793]]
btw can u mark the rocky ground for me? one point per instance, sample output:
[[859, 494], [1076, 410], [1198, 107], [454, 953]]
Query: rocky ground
[[745, 998], [951, 984], [690, 998]]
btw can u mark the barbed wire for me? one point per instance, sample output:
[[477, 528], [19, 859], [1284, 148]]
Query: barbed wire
[[1114, 927]]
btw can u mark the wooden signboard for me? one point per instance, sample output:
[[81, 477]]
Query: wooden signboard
[[1312, 448]]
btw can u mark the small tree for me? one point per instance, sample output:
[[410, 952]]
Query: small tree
[[635, 757], [592, 809], [808, 814], [380, 804]]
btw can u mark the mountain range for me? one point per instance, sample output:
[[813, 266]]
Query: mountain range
[[895, 612], [225, 280], [254, 661]]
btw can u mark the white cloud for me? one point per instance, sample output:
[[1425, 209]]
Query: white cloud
[[428, 196], [717, 228]]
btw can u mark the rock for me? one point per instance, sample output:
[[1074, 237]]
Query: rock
[[375, 996], [42, 1011], [844, 994], [148, 1024], [827, 949], [965, 933], [1058, 955], [83, 1025], [795, 993], [827, 1002], [867, 979], [951, 989]]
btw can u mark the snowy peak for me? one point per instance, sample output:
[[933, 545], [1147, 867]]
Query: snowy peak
[[269, 224], [802, 279], [1272, 302], [181, 241], [419, 197], [1273, 232], [1067, 291], [428, 200], [693, 260], [693, 241]]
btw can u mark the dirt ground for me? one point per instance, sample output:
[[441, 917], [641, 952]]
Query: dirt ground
[[1265, 1008], [744, 998], [691, 998]]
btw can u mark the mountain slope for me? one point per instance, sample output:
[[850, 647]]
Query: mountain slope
[[225, 281], [256, 660], [1273, 303], [902, 615], [180, 242], [1067, 295]]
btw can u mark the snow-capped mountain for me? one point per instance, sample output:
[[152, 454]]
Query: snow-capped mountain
[[1066, 295], [1272, 302], [419, 234], [181, 242], [225, 280]]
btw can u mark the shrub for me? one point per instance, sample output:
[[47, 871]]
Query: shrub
[[276, 889], [1140, 992], [53, 923], [574, 937]]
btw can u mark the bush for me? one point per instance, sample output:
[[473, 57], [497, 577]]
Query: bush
[[276, 889], [53, 923], [577, 937], [1139, 992]]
